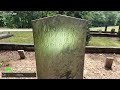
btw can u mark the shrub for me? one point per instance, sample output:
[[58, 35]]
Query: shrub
[[1, 21], [88, 36], [118, 34], [112, 30]]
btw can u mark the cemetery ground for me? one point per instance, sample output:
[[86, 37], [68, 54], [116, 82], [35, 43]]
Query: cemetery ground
[[93, 65]]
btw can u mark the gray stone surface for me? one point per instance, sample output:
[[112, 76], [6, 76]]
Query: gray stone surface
[[59, 47], [108, 63], [2, 36], [21, 54]]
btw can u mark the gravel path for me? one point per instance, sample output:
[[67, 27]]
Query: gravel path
[[93, 66], [12, 59]]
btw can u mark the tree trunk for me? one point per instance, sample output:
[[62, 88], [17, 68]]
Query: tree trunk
[[106, 28], [119, 28]]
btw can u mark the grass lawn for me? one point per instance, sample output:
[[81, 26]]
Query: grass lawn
[[104, 41], [103, 28], [27, 37], [19, 37]]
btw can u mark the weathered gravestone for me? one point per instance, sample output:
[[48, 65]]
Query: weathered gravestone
[[112, 31], [59, 47]]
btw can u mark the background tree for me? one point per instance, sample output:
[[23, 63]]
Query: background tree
[[22, 19]]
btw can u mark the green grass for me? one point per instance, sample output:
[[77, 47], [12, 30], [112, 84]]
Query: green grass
[[27, 37], [104, 41], [103, 28], [19, 37]]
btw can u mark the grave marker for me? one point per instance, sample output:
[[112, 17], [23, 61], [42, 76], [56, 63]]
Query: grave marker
[[59, 43], [21, 54], [108, 63]]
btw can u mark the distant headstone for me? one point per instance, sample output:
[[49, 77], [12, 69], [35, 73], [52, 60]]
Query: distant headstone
[[108, 63], [8, 32], [113, 31], [21, 54], [2, 36], [99, 31], [59, 47]]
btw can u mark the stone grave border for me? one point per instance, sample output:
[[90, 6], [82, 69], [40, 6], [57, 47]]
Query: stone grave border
[[30, 47]]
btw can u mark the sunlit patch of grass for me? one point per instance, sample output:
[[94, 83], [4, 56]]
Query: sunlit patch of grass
[[19, 37], [27, 37], [104, 41]]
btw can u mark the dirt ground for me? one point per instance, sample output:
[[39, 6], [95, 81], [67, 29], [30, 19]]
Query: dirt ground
[[93, 65]]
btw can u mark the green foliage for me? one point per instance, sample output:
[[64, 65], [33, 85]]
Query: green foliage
[[88, 36], [22, 19], [118, 33], [1, 21], [111, 18], [103, 18], [83, 15], [98, 19]]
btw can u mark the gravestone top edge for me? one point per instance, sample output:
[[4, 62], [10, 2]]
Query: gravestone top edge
[[59, 15]]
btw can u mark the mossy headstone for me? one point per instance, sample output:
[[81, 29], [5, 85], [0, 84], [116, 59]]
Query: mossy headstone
[[59, 47]]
